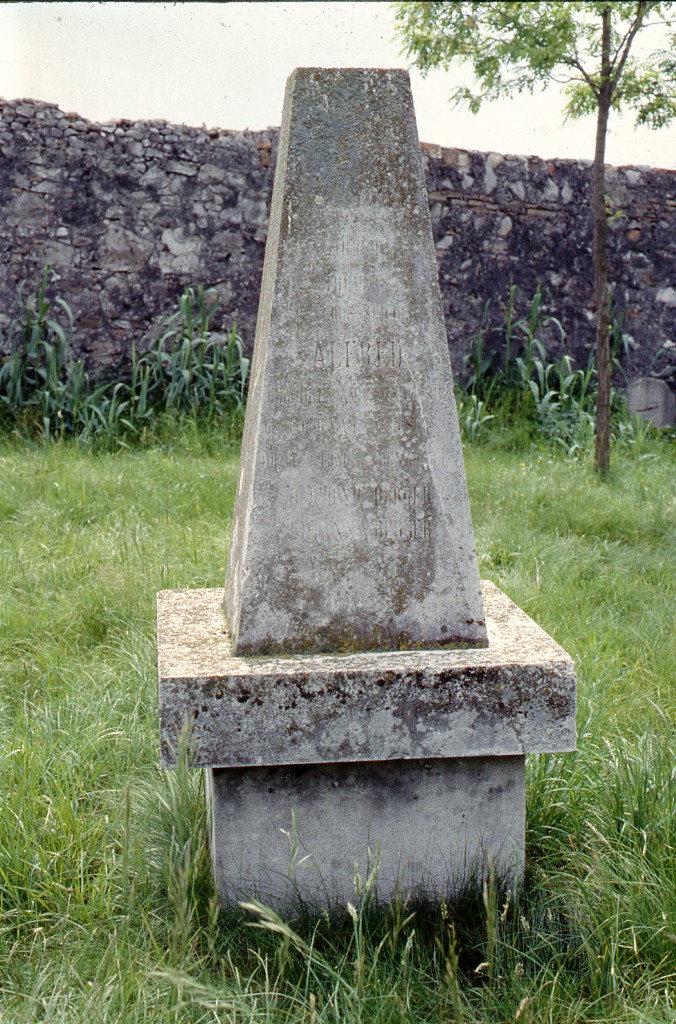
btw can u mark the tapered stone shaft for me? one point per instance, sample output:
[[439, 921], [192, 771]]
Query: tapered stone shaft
[[352, 528]]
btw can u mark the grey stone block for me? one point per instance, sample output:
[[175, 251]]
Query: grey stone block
[[653, 400], [301, 835], [515, 696]]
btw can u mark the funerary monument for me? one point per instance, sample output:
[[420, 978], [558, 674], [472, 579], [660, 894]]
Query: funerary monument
[[356, 695]]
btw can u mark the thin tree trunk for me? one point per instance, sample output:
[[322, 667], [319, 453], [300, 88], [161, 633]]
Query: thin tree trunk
[[600, 260]]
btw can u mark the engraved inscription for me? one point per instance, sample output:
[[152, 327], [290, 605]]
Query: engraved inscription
[[345, 283], [378, 514], [375, 354], [374, 314], [352, 311]]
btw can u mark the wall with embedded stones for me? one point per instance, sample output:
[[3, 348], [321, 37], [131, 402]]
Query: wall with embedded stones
[[502, 219], [129, 213]]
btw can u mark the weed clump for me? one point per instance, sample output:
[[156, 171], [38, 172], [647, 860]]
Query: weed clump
[[187, 371], [514, 391], [517, 387]]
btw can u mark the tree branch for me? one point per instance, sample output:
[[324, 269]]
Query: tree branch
[[574, 62], [625, 46]]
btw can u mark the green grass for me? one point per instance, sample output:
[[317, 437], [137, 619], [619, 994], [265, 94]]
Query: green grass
[[106, 906]]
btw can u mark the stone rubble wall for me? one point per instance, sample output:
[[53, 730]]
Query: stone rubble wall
[[129, 213], [499, 220]]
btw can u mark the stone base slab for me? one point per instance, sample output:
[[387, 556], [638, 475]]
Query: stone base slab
[[514, 697], [299, 835]]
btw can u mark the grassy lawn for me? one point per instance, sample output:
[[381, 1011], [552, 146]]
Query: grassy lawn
[[106, 906]]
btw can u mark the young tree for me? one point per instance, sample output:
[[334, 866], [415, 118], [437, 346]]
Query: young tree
[[513, 47]]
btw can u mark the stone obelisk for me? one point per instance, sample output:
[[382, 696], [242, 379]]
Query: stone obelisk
[[352, 529], [358, 697]]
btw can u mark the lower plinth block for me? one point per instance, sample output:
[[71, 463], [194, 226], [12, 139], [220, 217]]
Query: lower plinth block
[[319, 766], [304, 835]]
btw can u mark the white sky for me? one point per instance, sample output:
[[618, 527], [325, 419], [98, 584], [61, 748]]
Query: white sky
[[225, 65]]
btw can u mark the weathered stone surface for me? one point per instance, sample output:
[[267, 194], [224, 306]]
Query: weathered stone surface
[[100, 178], [516, 696], [652, 400], [351, 529], [300, 834]]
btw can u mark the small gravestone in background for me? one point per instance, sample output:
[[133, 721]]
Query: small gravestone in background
[[653, 400], [356, 695]]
